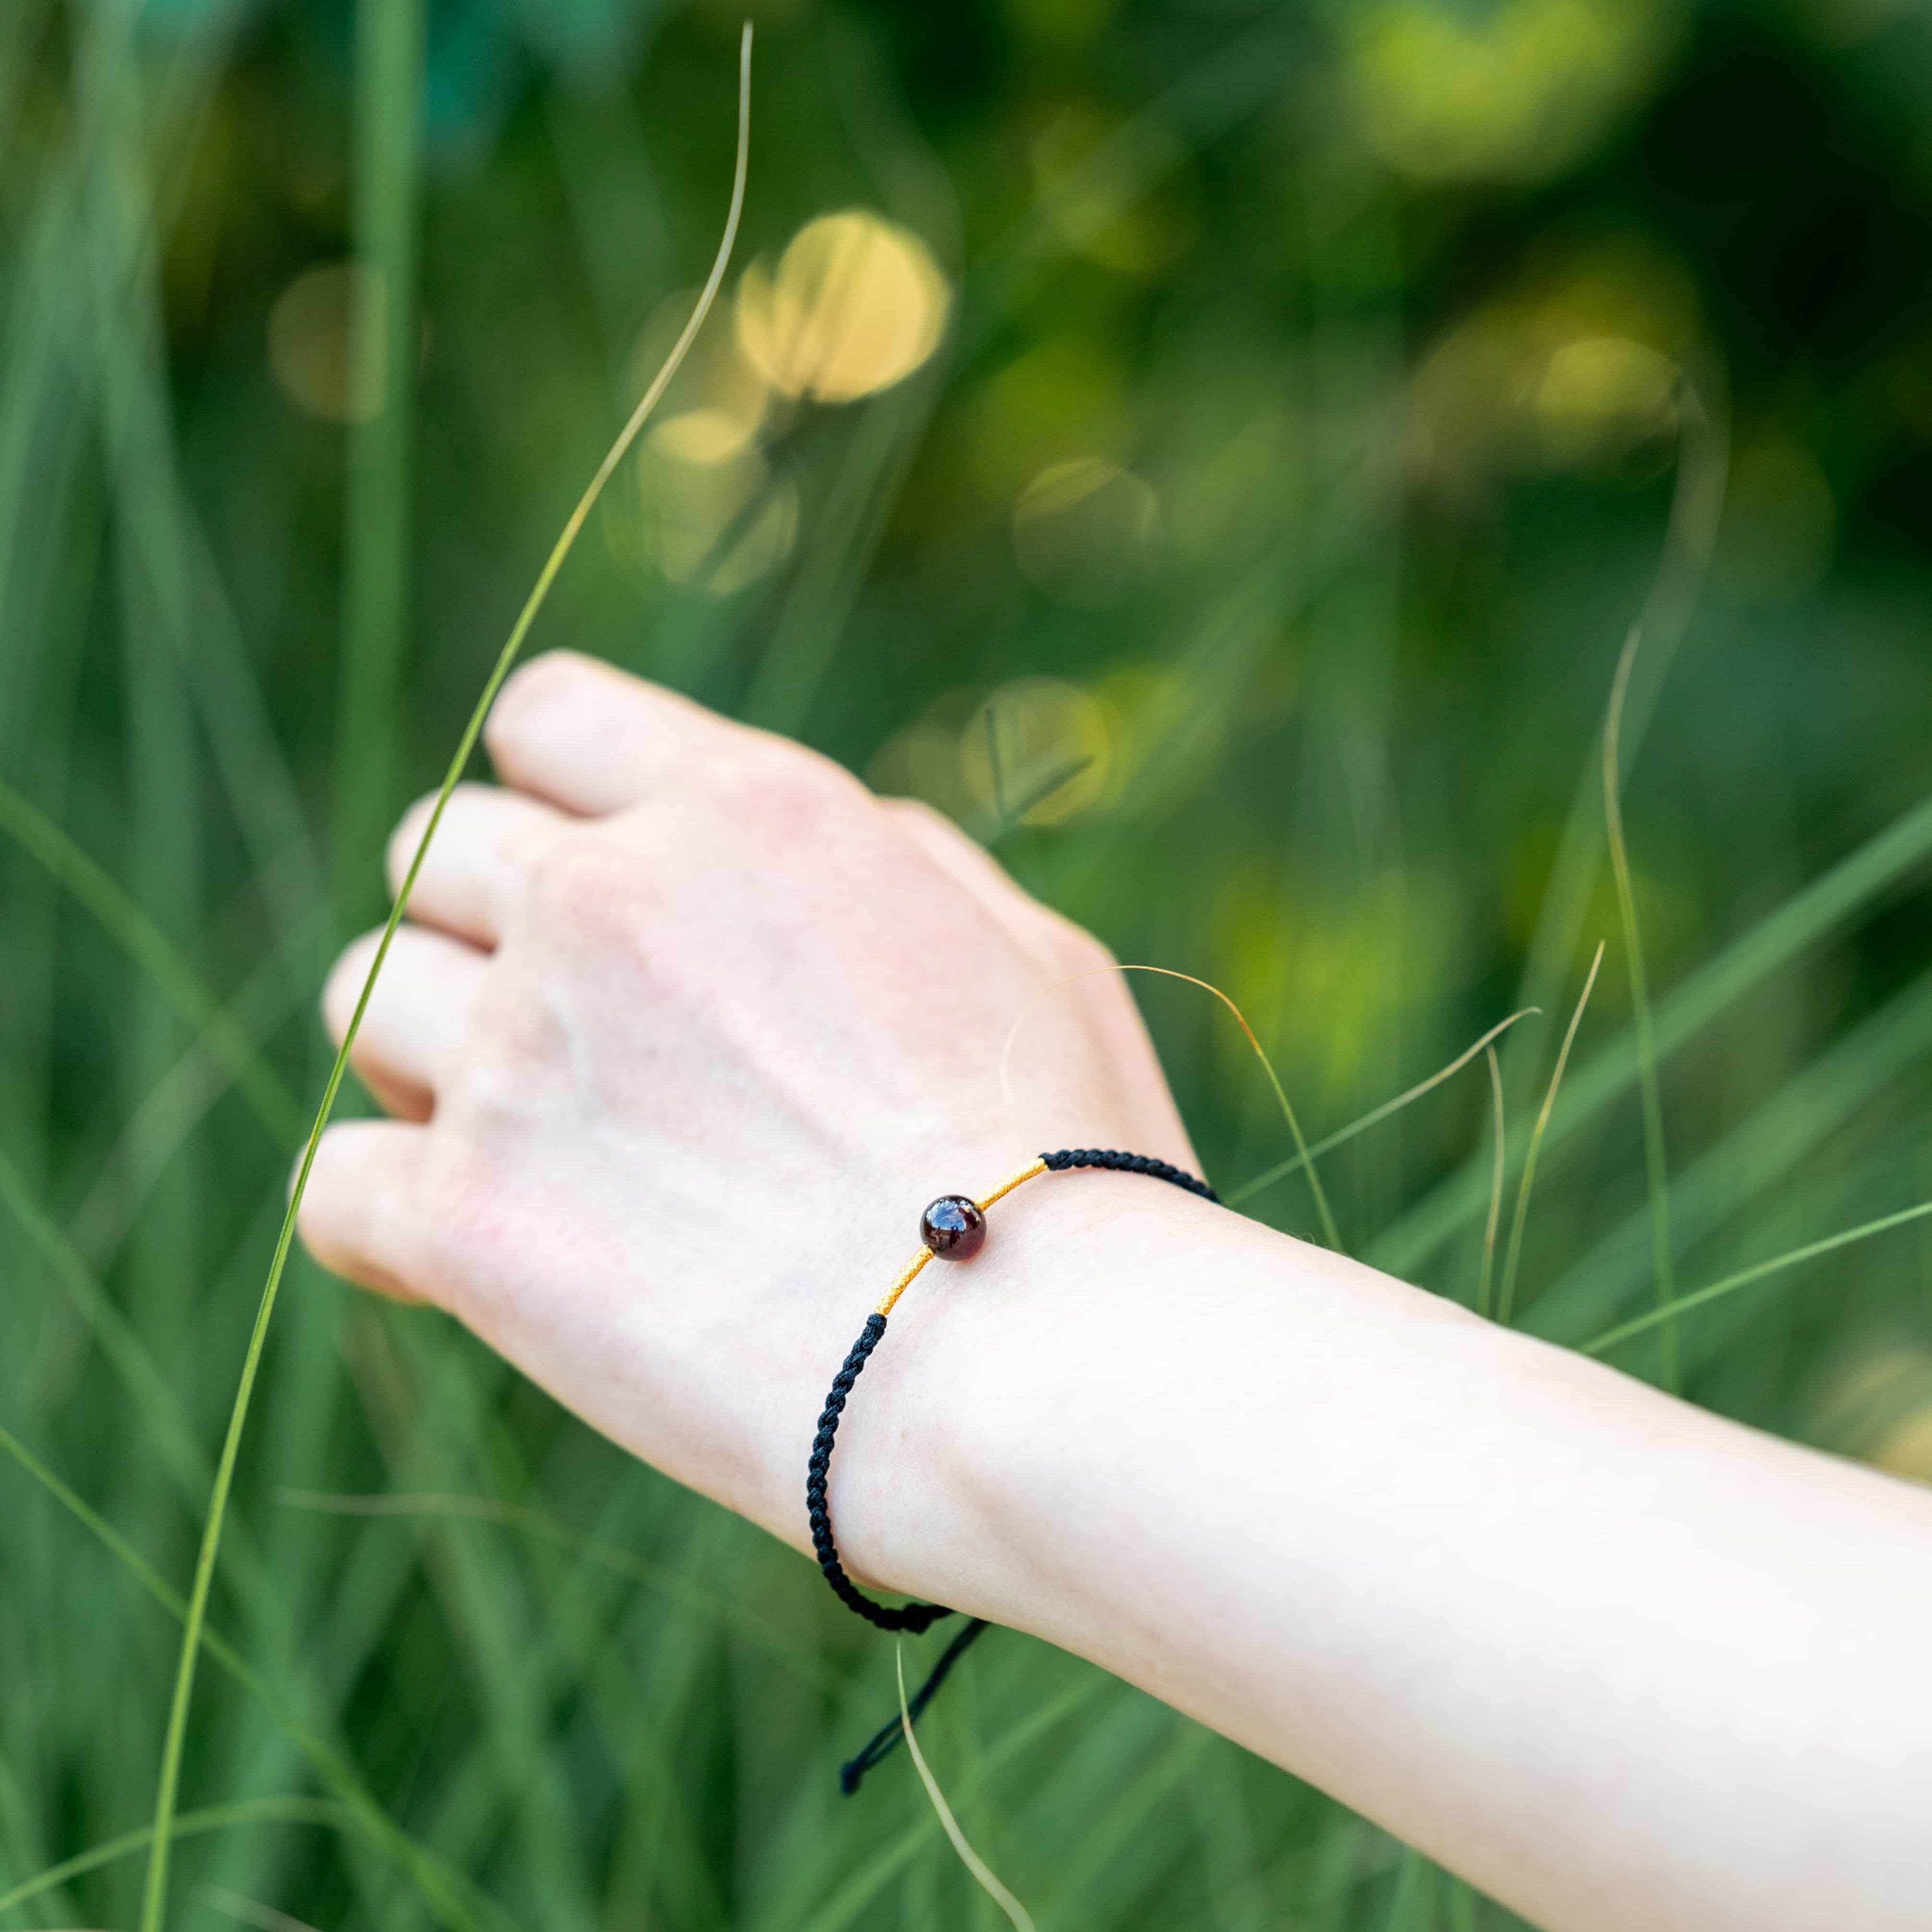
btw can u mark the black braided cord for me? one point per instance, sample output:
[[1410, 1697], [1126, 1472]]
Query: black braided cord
[[1129, 1163], [920, 1617], [914, 1617]]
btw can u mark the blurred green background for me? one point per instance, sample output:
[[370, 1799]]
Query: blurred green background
[[1215, 450]]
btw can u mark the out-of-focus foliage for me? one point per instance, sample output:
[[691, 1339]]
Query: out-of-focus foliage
[[1214, 450]]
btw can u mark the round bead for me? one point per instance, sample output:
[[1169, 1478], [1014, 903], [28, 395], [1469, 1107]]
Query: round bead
[[953, 1228]]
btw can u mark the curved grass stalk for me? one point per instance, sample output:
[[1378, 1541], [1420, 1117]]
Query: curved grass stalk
[[1506, 1300], [987, 1879], [1744, 1277], [1304, 1157], [1683, 563], [1484, 1277], [432, 1882], [217, 1818], [1656, 1164], [154, 1900], [144, 942], [1377, 1114]]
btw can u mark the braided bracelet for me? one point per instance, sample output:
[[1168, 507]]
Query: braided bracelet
[[953, 1228]]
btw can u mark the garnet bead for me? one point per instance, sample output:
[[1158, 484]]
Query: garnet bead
[[953, 1228]]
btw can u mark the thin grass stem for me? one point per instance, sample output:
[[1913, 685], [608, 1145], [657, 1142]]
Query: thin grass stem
[[1506, 1300], [154, 1892], [1639, 1325], [1304, 1157], [987, 1879], [216, 1818], [1375, 1115], [1656, 1162]]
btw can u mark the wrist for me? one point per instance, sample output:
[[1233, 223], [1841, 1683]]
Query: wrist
[[943, 1455]]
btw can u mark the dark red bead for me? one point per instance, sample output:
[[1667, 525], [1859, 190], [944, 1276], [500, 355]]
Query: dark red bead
[[953, 1228]]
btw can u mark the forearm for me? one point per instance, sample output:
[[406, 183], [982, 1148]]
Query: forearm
[[1615, 1661]]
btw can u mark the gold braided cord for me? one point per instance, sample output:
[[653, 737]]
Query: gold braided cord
[[1011, 1181], [905, 1282]]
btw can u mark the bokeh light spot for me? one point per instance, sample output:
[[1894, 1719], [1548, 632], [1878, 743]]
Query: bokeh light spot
[[1038, 751], [855, 303], [715, 517], [1512, 90], [310, 329], [1605, 391]]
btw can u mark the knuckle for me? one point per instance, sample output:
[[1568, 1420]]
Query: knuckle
[[551, 678], [774, 786]]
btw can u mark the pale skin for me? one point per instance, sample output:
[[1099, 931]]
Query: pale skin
[[684, 1028]]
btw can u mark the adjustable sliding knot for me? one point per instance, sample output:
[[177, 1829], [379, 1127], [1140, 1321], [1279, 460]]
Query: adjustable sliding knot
[[952, 1228]]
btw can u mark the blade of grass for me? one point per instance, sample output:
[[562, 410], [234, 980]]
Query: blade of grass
[[250, 1912], [1731, 1283], [153, 1399], [383, 353], [1808, 915], [137, 935], [1248, 1189], [436, 1885], [176, 1105], [983, 1874], [1488, 1272], [154, 1889], [216, 1818], [1097, 1856], [532, 1522], [1656, 1163], [1756, 1167], [1506, 1299]]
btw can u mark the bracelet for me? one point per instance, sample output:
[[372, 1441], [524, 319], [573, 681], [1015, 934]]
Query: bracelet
[[952, 1228]]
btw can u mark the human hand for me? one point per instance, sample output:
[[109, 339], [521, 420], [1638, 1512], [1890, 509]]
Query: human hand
[[684, 1028]]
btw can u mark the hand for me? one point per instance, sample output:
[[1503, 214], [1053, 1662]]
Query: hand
[[684, 1029]]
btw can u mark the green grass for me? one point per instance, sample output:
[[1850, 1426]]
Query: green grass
[[469, 1666]]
